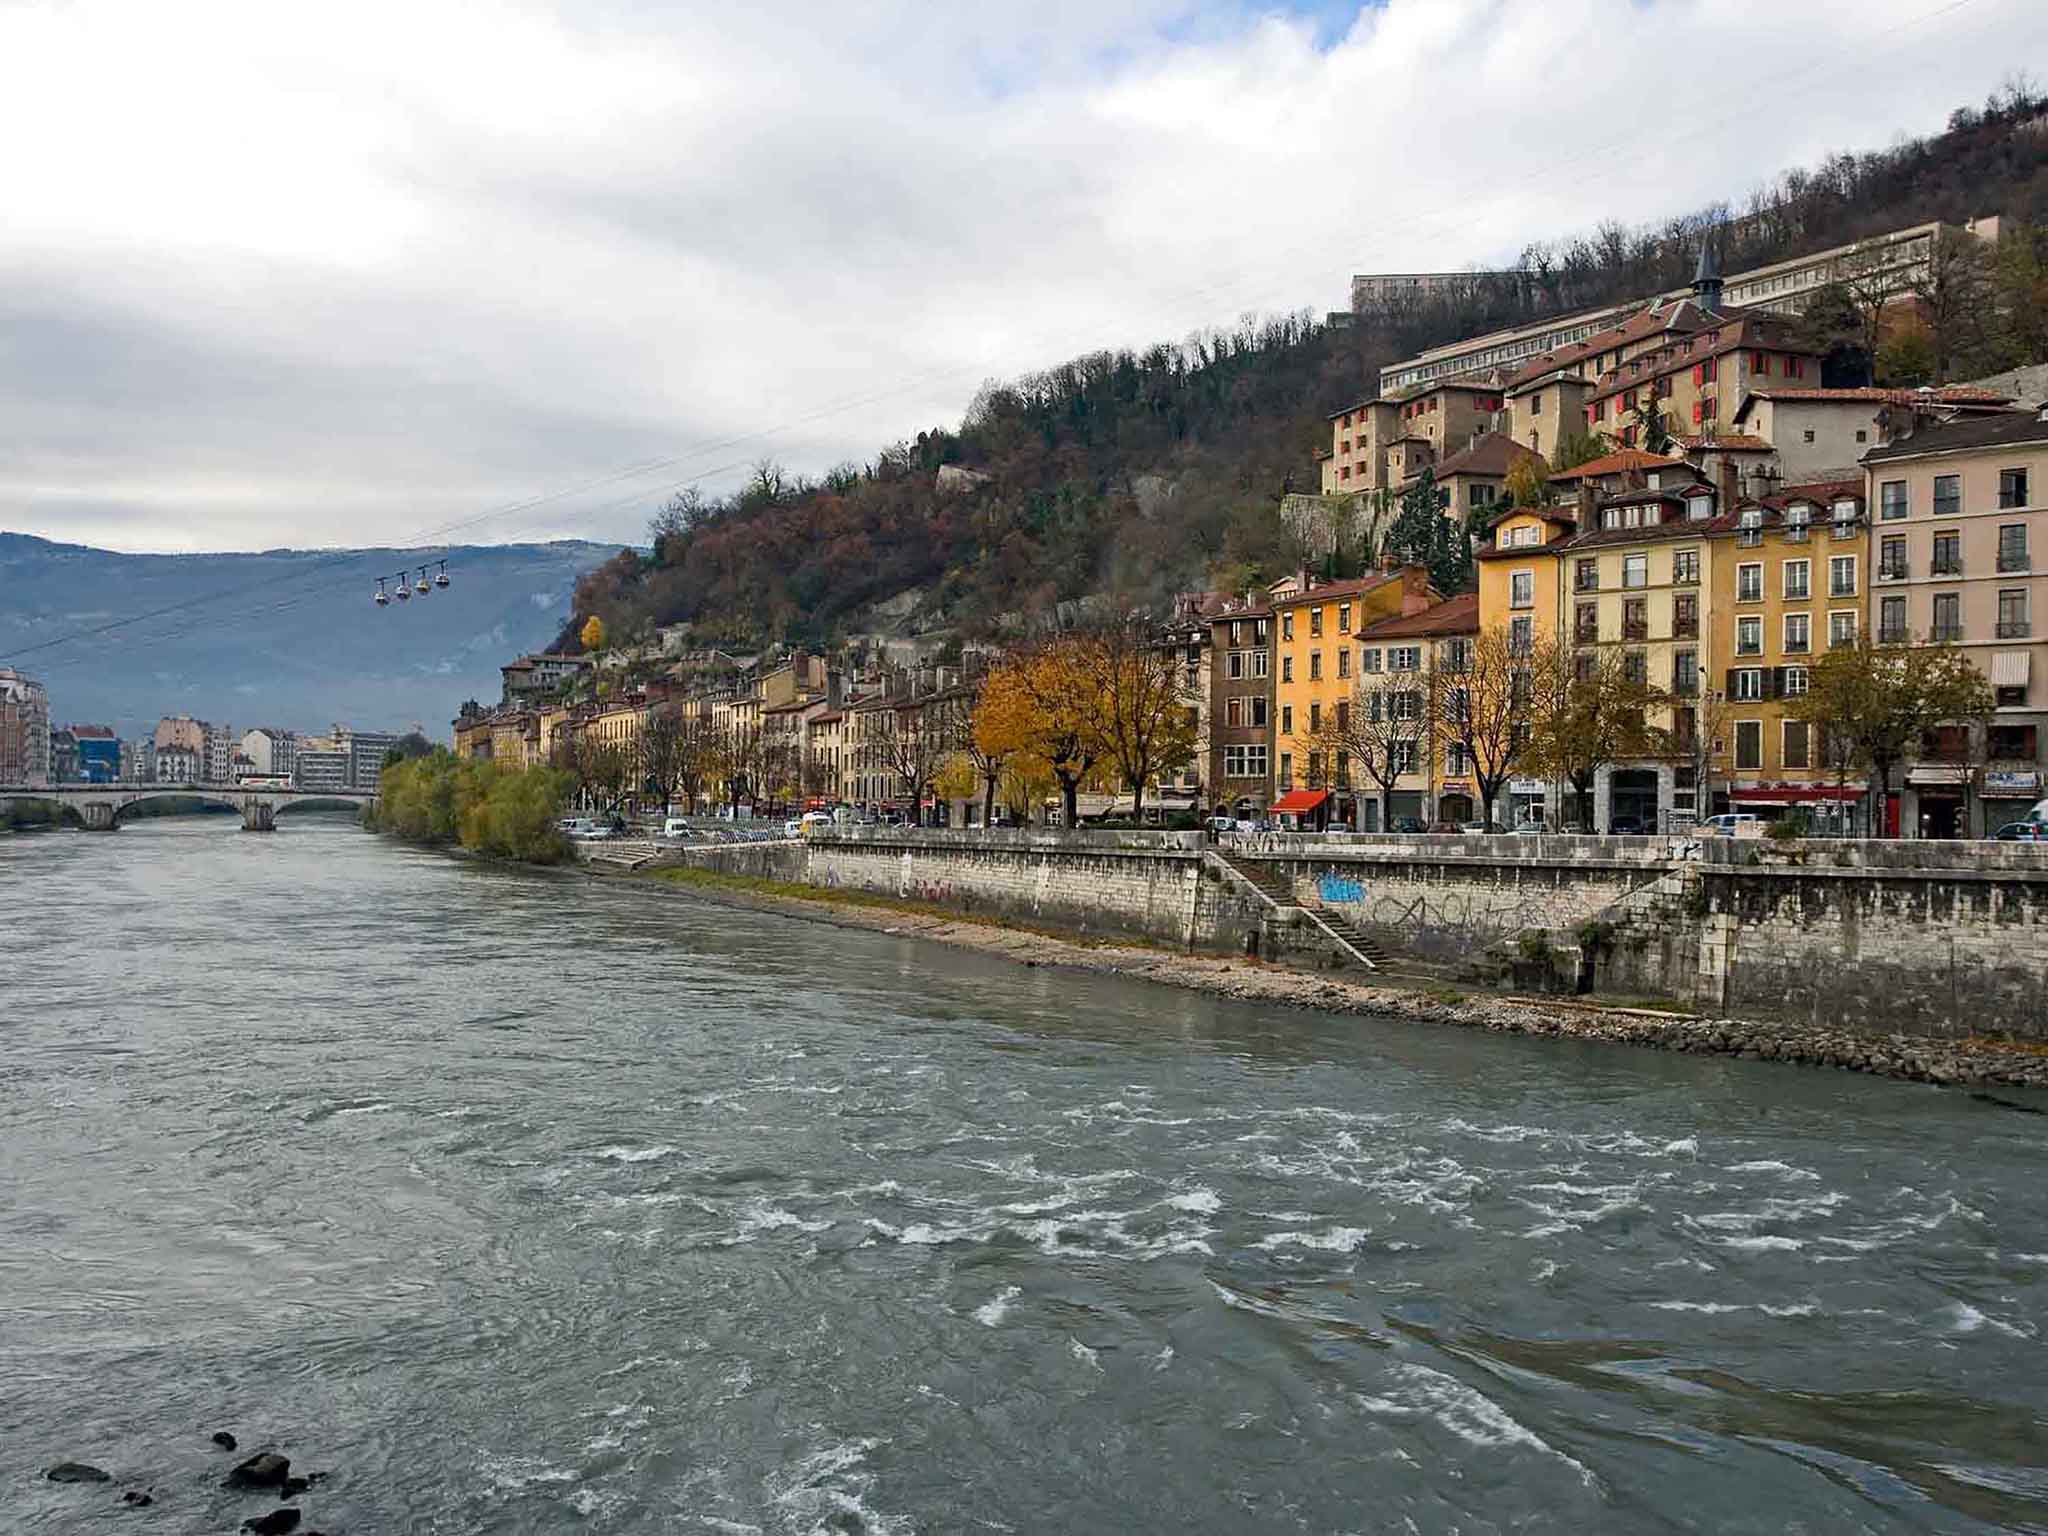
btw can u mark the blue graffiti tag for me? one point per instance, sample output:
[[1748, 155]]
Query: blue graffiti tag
[[1337, 888]]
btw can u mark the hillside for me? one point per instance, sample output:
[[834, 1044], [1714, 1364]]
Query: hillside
[[1143, 473], [249, 659]]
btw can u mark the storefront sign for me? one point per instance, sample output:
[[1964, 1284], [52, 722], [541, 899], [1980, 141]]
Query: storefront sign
[[2003, 781], [1526, 786]]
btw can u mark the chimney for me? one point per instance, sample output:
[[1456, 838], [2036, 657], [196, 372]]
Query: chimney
[[1589, 505], [1730, 488]]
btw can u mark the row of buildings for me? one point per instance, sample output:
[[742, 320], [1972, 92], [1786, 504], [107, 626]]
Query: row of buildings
[[181, 750]]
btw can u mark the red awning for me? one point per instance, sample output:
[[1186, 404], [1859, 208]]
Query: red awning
[[1298, 802], [1798, 794]]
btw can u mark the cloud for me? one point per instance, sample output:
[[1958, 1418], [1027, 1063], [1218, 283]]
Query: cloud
[[291, 274]]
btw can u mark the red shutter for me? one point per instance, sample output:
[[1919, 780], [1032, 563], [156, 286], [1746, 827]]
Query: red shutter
[[1696, 412]]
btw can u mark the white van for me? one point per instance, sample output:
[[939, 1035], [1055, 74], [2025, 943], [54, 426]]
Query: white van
[[1732, 824], [676, 826]]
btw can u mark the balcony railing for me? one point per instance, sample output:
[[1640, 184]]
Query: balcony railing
[[1842, 589], [1941, 632], [1891, 573], [1796, 532], [2009, 561], [1795, 647], [1586, 583], [1685, 687], [1749, 538], [1749, 594], [1586, 635], [2014, 629], [1685, 629], [1842, 642], [1846, 528], [1638, 629], [1891, 634], [1945, 568]]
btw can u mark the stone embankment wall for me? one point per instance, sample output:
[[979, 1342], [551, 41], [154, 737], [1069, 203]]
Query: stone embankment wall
[[1945, 939]]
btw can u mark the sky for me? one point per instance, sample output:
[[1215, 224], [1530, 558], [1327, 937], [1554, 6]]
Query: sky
[[321, 274]]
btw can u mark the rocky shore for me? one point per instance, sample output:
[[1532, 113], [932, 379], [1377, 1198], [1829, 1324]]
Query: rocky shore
[[1974, 1063]]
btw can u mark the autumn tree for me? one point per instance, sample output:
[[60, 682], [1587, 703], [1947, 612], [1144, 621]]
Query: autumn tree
[[1528, 483], [1143, 723], [1043, 702], [990, 752], [1484, 709], [1386, 727], [1879, 702], [741, 757], [1957, 297], [604, 771], [1589, 711], [592, 633]]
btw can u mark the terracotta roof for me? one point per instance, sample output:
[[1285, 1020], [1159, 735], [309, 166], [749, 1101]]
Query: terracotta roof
[[830, 717], [2004, 430], [1815, 490], [1673, 528], [1490, 453], [1553, 514], [1738, 442], [1453, 616], [1619, 462], [1336, 589], [1948, 394], [1683, 316]]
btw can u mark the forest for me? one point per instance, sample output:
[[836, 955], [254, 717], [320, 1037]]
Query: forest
[[1143, 473]]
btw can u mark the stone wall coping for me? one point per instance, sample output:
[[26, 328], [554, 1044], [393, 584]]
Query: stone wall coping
[[1854, 872], [1003, 840]]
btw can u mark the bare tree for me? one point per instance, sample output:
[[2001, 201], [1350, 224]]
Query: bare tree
[[1595, 715], [1485, 709], [914, 739], [604, 771], [1386, 727]]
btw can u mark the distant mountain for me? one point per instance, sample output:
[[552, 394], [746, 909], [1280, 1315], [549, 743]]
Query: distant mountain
[[286, 637]]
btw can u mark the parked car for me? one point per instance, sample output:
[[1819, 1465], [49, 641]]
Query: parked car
[[1408, 824], [676, 826], [2022, 832], [1475, 826], [1728, 822], [794, 827], [816, 818], [1443, 827], [1626, 826], [1530, 829], [1221, 824]]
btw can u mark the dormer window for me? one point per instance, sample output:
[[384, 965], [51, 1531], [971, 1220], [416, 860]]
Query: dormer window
[[1845, 510], [1752, 517], [1611, 518], [1798, 515], [1699, 508]]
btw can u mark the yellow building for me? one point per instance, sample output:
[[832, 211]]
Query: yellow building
[[1315, 669], [1790, 580], [617, 722], [1398, 659]]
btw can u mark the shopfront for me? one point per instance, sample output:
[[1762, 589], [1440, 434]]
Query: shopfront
[[1833, 810], [1526, 801], [1303, 810], [1455, 802], [2009, 794], [1938, 800]]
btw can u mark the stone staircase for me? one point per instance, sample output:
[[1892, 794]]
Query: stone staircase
[[1284, 904]]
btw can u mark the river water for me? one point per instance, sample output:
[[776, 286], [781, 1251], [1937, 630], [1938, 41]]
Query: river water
[[527, 1203]]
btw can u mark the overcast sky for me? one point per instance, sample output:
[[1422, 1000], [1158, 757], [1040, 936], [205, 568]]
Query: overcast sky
[[281, 272]]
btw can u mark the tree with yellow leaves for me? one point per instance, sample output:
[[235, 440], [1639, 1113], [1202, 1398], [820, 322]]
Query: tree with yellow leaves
[[592, 633], [1044, 703]]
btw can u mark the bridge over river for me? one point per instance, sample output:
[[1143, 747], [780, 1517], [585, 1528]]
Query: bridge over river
[[100, 806]]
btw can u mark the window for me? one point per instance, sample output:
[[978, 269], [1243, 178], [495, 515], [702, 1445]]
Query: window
[[1891, 500], [2012, 547], [1343, 775], [1286, 669], [1401, 756], [1369, 661], [1841, 628], [1948, 554], [1635, 570], [2012, 488], [1698, 508], [1586, 624], [1454, 761], [1287, 770], [1685, 673], [1749, 636], [1343, 715], [1287, 626], [1458, 655], [2012, 613], [1315, 666], [1746, 683], [1685, 568], [1237, 632], [1635, 619], [1798, 634], [1794, 751], [1522, 589], [1796, 579], [1261, 663], [1235, 669], [1798, 518], [1749, 583], [1586, 575], [1891, 557], [1246, 762], [1583, 666], [1807, 435], [1315, 716], [1685, 617], [1635, 666], [1862, 434], [1948, 495], [2011, 743], [1258, 712], [1404, 658], [1842, 576], [1343, 663], [1749, 744], [1315, 621], [1795, 682], [1891, 621], [1233, 711], [1343, 618], [1286, 719], [1406, 705], [1521, 636]]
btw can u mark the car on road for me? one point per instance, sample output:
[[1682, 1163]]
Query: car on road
[[2022, 832], [584, 830], [676, 826], [1625, 826], [1408, 824], [816, 818], [1729, 824], [794, 827], [1530, 829], [1475, 826]]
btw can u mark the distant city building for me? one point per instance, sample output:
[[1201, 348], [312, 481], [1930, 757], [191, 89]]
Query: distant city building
[[539, 674], [181, 732], [321, 769], [98, 752], [63, 756], [138, 760], [24, 730], [178, 765], [218, 761], [270, 751], [366, 757]]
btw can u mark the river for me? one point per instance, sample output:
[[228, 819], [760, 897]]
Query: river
[[528, 1203]]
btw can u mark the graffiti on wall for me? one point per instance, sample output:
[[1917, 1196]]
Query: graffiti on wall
[[1338, 888]]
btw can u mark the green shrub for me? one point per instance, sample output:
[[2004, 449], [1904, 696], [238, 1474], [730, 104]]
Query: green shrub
[[1534, 947], [441, 799]]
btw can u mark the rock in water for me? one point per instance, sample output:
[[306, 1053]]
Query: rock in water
[[266, 1469], [76, 1472], [223, 1439], [276, 1523], [138, 1498]]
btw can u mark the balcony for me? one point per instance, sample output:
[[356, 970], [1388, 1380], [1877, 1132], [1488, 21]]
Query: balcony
[[1796, 647], [1891, 634], [1586, 583], [2008, 560], [1750, 538], [1843, 642], [1586, 635], [1945, 568], [1846, 528], [1685, 687], [1891, 573], [2014, 629], [1685, 629], [1636, 629], [1944, 633]]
